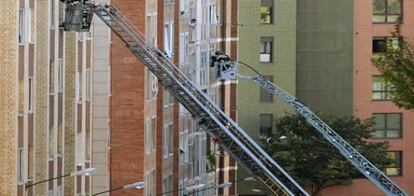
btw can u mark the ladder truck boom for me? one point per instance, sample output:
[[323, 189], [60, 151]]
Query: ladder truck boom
[[237, 143], [351, 154]]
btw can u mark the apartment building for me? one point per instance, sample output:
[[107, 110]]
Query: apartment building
[[330, 70], [267, 42], [152, 137], [373, 23], [46, 98]]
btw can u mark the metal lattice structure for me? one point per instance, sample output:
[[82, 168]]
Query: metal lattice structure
[[232, 138], [351, 154]]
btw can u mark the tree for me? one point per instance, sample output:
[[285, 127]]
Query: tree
[[397, 66], [313, 161]]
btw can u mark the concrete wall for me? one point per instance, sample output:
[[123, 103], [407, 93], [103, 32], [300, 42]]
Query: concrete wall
[[8, 100], [100, 107], [282, 67], [324, 55], [41, 93]]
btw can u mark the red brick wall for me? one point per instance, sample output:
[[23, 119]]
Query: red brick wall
[[127, 106]]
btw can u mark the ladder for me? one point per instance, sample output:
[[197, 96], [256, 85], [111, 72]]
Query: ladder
[[232, 138], [351, 154]]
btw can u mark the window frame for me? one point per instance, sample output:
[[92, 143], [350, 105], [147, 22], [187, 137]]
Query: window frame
[[22, 27], [270, 14], [386, 14], [31, 90], [264, 47], [20, 165], [387, 86], [386, 127], [168, 141], [268, 133]]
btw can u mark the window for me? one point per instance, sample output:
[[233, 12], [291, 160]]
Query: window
[[60, 75], [167, 186], [22, 36], [151, 85], [386, 11], [62, 7], [20, 167], [379, 44], [387, 125], [183, 48], [52, 13], [150, 183], [31, 96], [168, 98], [266, 124], [168, 39], [266, 11], [212, 14], [265, 96], [203, 68], [266, 49], [168, 140], [184, 147], [88, 84], [150, 131], [77, 87], [182, 6], [381, 89], [28, 15], [79, 148], [395, 168]]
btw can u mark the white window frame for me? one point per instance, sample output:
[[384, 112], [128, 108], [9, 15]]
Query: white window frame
[[60, 79], [183, 7], [184, 146], [20, 165], [169, 38], [183, 48], [52, 14], [31, 90], [168, 139], [22, 26], [79, 158], [87, 84], [28, 18], [77, 87], [147, 128], [212, 14]]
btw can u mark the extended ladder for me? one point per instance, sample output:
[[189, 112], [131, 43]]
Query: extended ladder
[[233, 139], [351, 154]]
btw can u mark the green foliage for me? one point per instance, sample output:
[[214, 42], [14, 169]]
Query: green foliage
[[397, 67], [313, 161]]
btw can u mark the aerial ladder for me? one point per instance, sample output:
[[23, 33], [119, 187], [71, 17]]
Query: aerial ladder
[[350, 153], [233, 139], [237, 143]]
